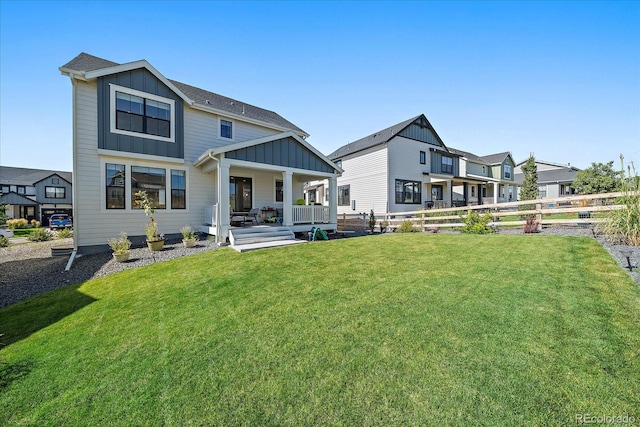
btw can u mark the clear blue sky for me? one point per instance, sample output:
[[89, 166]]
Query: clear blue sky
[[559, 79]]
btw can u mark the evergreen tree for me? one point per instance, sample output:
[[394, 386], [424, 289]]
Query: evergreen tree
[[529, 188], [598, 178]]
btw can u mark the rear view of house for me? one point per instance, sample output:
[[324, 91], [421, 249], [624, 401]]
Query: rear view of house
[[199, 155]]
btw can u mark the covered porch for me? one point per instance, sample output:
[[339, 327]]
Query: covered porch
[[261, 183]]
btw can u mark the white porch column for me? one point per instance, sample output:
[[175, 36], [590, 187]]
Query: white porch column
[[287, 198], [223, 221], [333, 200], [449, 194], [496, 187]]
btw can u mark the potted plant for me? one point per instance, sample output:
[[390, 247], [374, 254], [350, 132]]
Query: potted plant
[[155, 241], [120, 247], [188, 236]]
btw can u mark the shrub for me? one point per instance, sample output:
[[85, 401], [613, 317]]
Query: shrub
[[407, 227], [18, 223], [35, 223], [65, 233], [120, 245], [4, 242], [474, 223], [623, 225], [40, 235], [532, 225], [372, 221]]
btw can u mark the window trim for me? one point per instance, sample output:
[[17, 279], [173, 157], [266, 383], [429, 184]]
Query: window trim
[[128, 164], [416, 185], [233, 130], [442, 165], [341, 197], [171, 189], [55, 193], [509, 174], [113, 88], [105, 186]]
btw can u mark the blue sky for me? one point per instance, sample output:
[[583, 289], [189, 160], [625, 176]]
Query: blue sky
[[559, 79]]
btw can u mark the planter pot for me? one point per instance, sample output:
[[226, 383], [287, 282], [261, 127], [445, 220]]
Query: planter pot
[[189, 243], [155, 245], [121, 257]]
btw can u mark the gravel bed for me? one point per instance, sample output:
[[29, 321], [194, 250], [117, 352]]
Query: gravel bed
[[29, 269]]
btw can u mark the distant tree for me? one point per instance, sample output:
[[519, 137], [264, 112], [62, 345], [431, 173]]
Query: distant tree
[[529, 188], [598, 178], [3, 214]]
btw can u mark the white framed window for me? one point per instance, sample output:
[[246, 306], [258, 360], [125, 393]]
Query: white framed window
[[226, 129], [507, 171], [141, 114]]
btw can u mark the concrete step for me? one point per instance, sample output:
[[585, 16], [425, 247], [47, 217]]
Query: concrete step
[[239, 237]]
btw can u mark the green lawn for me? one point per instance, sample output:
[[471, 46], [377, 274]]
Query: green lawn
[[404, 329]]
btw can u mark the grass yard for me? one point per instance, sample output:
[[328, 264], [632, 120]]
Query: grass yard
[[403, 329]]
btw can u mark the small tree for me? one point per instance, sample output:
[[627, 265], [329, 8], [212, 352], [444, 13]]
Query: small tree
[[598, 178], [143, 200], [3, 214], [474, 223], [529, 188], [372, 221]]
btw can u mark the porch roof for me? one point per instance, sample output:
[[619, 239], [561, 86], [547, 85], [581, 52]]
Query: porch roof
[[285, 149]]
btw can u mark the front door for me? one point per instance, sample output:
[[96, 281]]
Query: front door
[[240, 194]]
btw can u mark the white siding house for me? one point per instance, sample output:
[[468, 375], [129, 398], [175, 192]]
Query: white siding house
[[199, 155], [407, 167]]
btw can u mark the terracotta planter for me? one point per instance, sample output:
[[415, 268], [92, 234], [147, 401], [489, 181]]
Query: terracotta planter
[[189, 243], [121, 257], [155, 245]]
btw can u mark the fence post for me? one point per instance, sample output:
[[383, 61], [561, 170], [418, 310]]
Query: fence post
[[539, 215]]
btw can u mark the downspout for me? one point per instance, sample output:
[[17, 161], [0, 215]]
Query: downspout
[[75, 170]]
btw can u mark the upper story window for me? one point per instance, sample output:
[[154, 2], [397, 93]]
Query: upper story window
[[4, 189], [447, 164], [21, 189], [507, 171], [134, 113], [423, 158], [226, 129], [55, 192]]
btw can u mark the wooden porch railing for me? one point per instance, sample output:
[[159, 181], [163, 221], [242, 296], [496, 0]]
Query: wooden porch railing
[[315, 214]]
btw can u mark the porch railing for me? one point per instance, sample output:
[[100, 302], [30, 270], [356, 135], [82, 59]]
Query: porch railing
[[310, 214], [210, 214]]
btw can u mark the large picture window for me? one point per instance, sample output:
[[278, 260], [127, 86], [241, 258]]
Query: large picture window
[[447, 164], [344, 198], [55, 192], [115, 177], [151, 180], [408, 192], [178, 189], [134, 113]]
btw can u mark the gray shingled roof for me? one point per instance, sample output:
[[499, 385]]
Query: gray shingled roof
[[470, 156], [493, 159], [372, 140], [85, 62], [23, 176], [556, 175]]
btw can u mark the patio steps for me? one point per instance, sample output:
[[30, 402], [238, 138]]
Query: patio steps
[[246, 239]]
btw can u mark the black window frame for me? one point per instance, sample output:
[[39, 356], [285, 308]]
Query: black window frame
[[177, 193], [115, 202], [55, 192], [401, 192], [148, 121], [344, 195], [423, 157], [446, 167], [153, 190], [279, 196], [226, 124], [21, 189]]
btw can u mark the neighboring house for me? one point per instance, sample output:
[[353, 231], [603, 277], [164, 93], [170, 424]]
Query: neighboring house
[[35, 193], [407, 167], [554, 179], [200, 156]]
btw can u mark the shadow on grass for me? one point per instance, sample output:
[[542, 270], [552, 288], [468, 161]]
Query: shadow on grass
[[10, 372], [20, 320]]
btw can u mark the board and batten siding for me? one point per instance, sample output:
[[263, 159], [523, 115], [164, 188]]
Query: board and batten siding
[[366, 174], [41, 194]]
